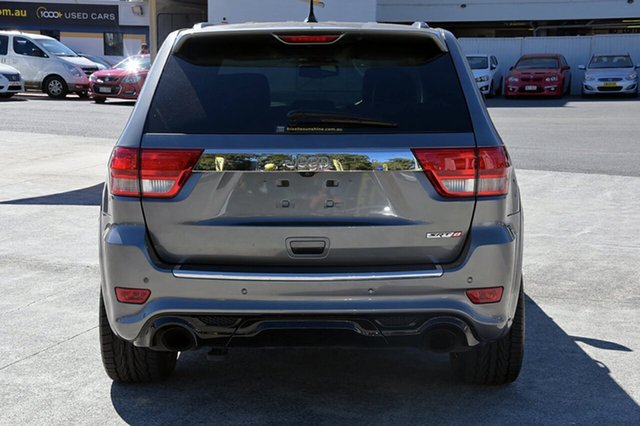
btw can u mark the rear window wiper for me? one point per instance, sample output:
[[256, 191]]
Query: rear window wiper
[[297, 118]]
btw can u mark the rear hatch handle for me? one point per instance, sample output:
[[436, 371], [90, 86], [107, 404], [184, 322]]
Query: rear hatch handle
[[307, 246]]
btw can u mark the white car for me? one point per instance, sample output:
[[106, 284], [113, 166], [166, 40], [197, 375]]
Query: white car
[[10, 81], [46, 64], [486, 71], [610, 74]]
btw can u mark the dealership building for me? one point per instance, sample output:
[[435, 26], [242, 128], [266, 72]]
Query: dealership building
[[117, 28], [105, 28], [465, 18]]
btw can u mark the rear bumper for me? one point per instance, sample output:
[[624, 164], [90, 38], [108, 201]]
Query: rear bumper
[[492, 259]]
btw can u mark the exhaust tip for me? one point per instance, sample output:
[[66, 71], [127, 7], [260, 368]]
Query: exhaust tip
[[177, 339], [443, 339]]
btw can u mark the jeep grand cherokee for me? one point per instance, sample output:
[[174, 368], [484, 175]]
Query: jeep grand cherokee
[[311, 184]]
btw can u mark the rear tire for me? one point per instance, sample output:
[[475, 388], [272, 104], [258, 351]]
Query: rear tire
[[6, 95], [126, 363], [495, 363], [55, 87]]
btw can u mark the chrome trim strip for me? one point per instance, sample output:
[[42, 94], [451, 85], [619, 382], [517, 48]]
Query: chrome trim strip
[[354, 276], [306, 161]]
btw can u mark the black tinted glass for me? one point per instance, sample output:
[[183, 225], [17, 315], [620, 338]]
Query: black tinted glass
[[478, 62], [537, 63], [612, 61], [261, 85], [4, 44]]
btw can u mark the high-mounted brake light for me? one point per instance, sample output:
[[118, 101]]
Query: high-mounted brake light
[[452, 171], [159, 173], [485, 295], [308, 39]]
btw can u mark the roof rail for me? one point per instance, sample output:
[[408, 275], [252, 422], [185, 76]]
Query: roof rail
[[420, 24], [201, 25]]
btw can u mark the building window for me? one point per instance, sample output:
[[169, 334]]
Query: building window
[[113, 45]]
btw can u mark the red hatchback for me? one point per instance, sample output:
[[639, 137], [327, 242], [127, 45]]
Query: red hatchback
[[539, 75], [124, 80]]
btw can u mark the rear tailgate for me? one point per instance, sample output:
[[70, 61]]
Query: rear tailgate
[[375, 208], [340, 185]]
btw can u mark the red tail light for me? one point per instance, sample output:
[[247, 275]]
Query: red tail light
[[132, 295], [308, 39], [452, 171], [151, 172], [485, 295]]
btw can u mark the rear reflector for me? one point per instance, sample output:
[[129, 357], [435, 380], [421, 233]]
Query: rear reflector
[[132, 295], [308, 39], [160, 172], [485, 295], [452, 171]]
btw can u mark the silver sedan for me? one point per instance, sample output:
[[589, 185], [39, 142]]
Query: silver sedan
[[610, 74]]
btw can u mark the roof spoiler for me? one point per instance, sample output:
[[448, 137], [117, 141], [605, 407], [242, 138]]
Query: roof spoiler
[[201, 25], [421, 25]]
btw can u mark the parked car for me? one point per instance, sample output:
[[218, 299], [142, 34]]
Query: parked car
[[486, 71], [123, 81], [102, 62], [46, 64], [610, 74], [11, 81], [297, 183], [539, 75]]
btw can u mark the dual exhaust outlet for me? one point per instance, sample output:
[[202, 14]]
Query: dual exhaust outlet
[[441, 335], [176, 338]]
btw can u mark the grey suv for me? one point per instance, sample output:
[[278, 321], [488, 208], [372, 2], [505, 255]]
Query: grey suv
[[311, 184]]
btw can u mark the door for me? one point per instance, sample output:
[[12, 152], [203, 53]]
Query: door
[[4, 50], [29, 59], [495, 73]]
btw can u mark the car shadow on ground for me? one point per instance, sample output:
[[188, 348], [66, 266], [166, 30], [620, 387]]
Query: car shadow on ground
[[12, 99], [530, 102], [90, 196], [44, 97], [118, 102], [560, 383]]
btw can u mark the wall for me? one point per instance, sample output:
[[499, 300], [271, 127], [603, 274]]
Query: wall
[[503, 10], [291, 10], [89, 43], [128, 16], [93, 43], [577, 50]]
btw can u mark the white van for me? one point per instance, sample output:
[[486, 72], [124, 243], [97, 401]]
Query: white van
[[46, 64]]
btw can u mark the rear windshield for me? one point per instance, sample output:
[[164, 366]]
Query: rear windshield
[[619, 61], [478, 62], [258, 84], [537, 64]]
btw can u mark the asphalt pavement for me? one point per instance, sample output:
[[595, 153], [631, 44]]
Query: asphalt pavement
[[578, 169]]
